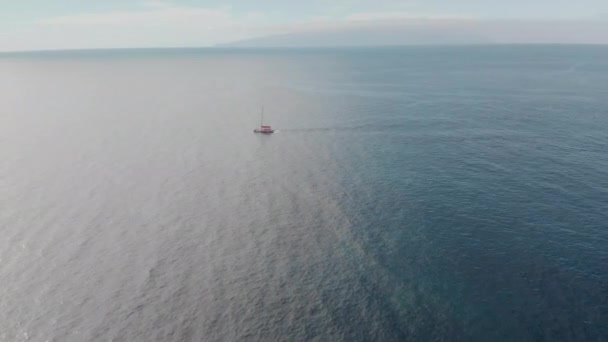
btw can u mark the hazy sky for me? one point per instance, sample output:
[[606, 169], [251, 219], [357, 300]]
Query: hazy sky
[[59, 24]]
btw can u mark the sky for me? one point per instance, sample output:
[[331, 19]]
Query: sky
[[86, 24]]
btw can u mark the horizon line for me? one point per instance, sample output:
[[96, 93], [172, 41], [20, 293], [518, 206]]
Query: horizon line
[[310, 47]]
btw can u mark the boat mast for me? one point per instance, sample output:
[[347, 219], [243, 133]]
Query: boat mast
[[262, 119]]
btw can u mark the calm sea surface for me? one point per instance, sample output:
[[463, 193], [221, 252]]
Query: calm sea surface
[[429, 194]]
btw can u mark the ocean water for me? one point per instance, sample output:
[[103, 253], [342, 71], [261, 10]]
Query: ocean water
[[411, 194]]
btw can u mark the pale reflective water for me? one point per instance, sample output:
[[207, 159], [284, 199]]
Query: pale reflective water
[[410, 194]]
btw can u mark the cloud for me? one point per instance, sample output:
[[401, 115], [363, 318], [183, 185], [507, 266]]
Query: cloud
[[158, 23], [156, 4], [154, 24], [382, 16], [375, 20], [155, 14]]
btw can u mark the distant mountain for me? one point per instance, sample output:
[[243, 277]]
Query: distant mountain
[[367, 37], [437, 32]]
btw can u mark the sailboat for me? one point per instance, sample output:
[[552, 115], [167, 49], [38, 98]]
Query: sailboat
[[263, 129]]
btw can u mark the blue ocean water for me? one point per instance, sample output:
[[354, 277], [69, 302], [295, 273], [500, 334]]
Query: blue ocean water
[[415, 193]]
